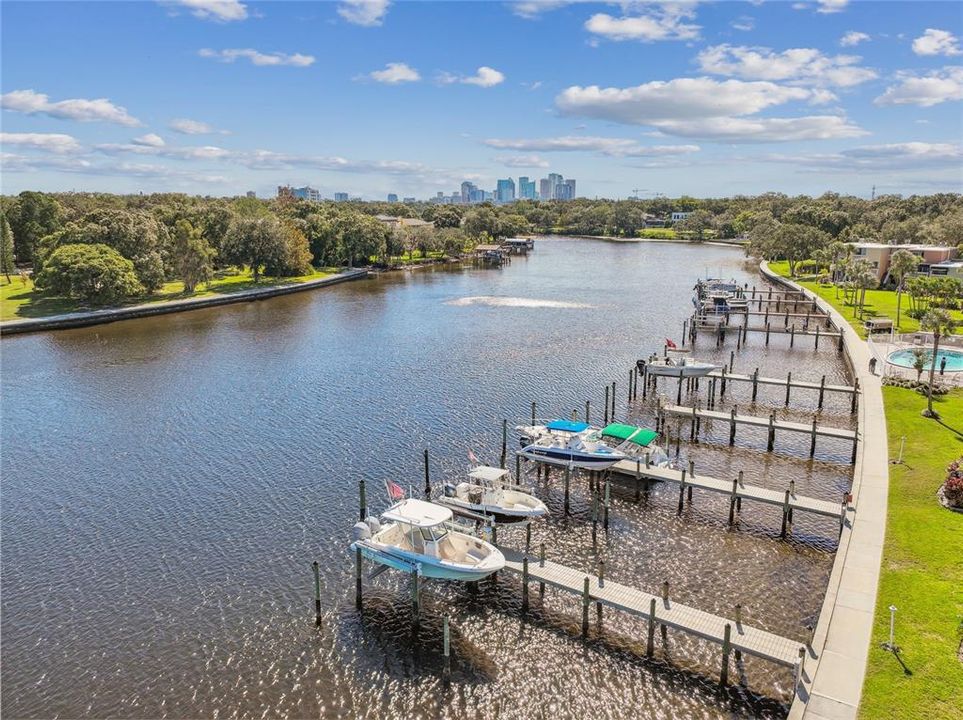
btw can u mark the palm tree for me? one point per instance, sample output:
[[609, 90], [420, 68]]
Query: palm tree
[[940, 324], [901, 265], [863, 278], [919, 362]]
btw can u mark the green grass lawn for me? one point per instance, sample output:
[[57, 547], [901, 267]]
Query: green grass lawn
[[658, 233], [878, 303], [19, 301], [922, 570]]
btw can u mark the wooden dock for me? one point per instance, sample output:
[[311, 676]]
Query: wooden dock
[[731, 634], [822, 386], [733, 419], [735, 489]]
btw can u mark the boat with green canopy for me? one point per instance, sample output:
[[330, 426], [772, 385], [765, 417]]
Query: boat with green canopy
[[634, 441]]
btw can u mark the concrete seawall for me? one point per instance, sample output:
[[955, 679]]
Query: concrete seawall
[[836, 664], [99, 317]]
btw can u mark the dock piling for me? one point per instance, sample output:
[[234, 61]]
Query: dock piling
[[650, 641], [533, 412], [788, 386], [446, 631], [587, 408], [415, 597], [316, 569], [726, 647], [504, 442], [605, 521], [568, 474], [362, 500], [822, 391], [585, 607], [772, 432], [755, 383], [427, 478], [732, 426], [606, 418], [525, 584], [357, 577]]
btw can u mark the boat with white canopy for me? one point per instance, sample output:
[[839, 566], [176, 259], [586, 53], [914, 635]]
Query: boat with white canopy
[[676, 364], [490, 491], [420, 534]]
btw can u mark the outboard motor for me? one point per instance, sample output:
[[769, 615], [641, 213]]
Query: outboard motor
[[449, 490], [640, 364], [361, 531], [373, 525]]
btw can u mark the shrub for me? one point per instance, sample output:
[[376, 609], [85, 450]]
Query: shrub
[[916, 313], [96, 274], [953, 485], [916, 385]]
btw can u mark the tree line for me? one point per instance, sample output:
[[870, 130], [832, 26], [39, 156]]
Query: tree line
[[102, 247]]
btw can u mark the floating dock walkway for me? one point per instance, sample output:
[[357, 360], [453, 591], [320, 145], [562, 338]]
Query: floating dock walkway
[[735, 489], [733, 419], [731, 634]]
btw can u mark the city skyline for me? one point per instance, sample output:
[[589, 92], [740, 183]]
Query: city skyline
[[366, 98]]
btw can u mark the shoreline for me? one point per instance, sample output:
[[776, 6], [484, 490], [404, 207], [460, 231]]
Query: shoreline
[[835, 671], [87, 318]]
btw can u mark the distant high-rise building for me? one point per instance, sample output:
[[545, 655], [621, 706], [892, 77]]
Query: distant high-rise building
[[392, 197], [526, 188], [565, 190], [285, 191], [505, 191], [341, 197], [466, 191], [251, 194], [545, 189], [304, 193], [411, 200]]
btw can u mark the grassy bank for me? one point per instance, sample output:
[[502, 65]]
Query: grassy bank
[[20, 300], [922, 570], [878, 303]]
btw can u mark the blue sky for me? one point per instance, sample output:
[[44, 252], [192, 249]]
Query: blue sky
[[370, 97]]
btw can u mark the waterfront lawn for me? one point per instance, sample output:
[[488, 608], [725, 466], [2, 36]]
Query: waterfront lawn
[[658, 233], [19, 300], [922, 569], [878, 303]]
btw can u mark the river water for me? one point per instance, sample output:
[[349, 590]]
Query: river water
[[167, 483]]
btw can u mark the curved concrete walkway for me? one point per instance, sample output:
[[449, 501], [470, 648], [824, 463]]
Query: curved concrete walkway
[[99, 317], [832, 682]]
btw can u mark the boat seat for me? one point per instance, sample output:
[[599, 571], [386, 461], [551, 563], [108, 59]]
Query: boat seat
[[448, 551]]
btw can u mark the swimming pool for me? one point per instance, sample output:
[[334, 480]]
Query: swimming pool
[[905, 357]]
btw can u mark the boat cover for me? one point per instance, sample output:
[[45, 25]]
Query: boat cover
[[639, 436], [567, 426], [418, 513]]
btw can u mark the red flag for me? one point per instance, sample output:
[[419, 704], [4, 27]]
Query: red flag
[[471, 456], [395, 491], [669, 343]]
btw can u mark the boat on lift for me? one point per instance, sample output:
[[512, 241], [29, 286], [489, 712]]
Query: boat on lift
[[634, 442], [567, 443], [417, 534], [489, 491], [675, 364]]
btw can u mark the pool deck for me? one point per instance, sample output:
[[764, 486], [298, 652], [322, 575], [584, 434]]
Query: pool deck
[[836, 667]]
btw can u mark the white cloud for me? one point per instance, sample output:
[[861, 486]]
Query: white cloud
[[522, 161], [31, 102], [48, 142], [663, 21], [532, 9], [612, 147], [82, 166], [395, 73], [257, 58], [753, 130], [149, 140], [936, 87], [831, 6], [681, 98], [206, 152], [484, 77], [799, 65], [364, 12], [937, 42], [852, 38], [193, 127], [895, 156], [218, 10], [744, 23]]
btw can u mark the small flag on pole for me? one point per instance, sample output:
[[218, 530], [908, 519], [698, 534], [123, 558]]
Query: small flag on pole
[[395, 491], [670, 344]]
